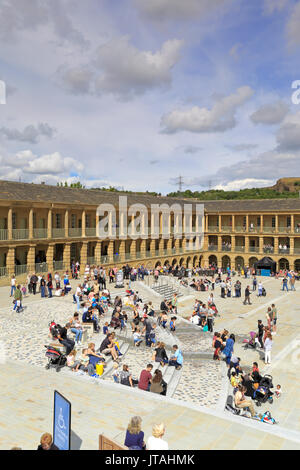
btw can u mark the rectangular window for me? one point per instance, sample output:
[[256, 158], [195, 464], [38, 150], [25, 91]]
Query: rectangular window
[[87, 221], [14, 220], [58, 220], [273, 222], [258, 221], [288, 221], [73, 221]]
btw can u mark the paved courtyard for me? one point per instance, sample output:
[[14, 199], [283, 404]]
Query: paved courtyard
[[200, 394]]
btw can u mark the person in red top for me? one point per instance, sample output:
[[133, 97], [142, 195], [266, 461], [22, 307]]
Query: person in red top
[[145, 378]]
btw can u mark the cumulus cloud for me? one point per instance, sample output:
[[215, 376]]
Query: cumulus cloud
[[76, 80], [161, 10], [243, 184], [15, 19], [272, 113], [202, 120], [128, 71], [28, 163], [293, 30], [122, 69], [30, 134]]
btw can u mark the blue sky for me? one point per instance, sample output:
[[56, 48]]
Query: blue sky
[[134, 93]]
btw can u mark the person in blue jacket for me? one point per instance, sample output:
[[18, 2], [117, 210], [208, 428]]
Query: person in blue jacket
[[228, 350]]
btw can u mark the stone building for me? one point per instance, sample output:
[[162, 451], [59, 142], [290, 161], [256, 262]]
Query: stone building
[[43, 228]]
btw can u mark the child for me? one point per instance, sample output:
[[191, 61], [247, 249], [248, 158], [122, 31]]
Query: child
[[137, 337], [278, 391], [164, 320], [172, 323], [152, 335], [74, 365], [84, 360], [105, 328], [24, 291], [116, 374]]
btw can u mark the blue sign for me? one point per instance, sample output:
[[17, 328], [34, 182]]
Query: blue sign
[[265, 272], [61, 422]]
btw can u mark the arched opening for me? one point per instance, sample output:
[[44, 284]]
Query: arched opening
[[284, 264], [158, 264], [181, 261], [226, 263], [252, 261], [166, 263], [239, 263], [297, 265], [195, 261], [188, 262], [213, 261], [174, 262]]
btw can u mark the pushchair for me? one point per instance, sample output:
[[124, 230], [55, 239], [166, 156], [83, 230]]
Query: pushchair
[[250, 342], [55, 358], [264, 394]]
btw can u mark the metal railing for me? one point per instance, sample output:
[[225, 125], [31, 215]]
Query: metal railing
[[284, 229], [75, 232], [283, 251], [40, 233], [3, 234], [58, 265], [253, 249], [90, 232], [58, 233], [20, 269], [41, 267], [213, 247], [20, 234], [268, 229], [226, 228], [239, 249], [3, 271], [213, 229], [91, 260]]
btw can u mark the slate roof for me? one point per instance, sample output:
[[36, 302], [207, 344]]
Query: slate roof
[[29, 192]]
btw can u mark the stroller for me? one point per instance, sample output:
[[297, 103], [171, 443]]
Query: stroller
[[252, 341], [55, 358], [263, 394]]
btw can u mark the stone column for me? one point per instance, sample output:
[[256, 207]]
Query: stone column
[[50, 224], [246, 244], [98, 253], [220, 223], [233, 223], [233, 244], [292, 245], [31, 235], [133, 249], [247, 223], [261, 245], [276, 245], [67, 223], [292, 223], [152, 247], [122, 250], [31, 258], [49, 255], [276, 224], [83, 256], [83, 223], [143, 248], [261, 224], [9, 224], [220, 243], [10, 260], [67, 256], [110, 251]]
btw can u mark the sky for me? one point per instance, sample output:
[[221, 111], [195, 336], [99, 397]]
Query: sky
[[135, 93]]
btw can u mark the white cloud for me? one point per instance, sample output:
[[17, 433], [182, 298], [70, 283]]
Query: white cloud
[[243, 184], [272, 113], [160, 10], [28, 163], [293, 30], [30, 134], [38, 13], [128, 71], [219, 119], [122, 69]]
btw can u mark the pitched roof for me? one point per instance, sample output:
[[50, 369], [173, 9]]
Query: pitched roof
[[15, 191]]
